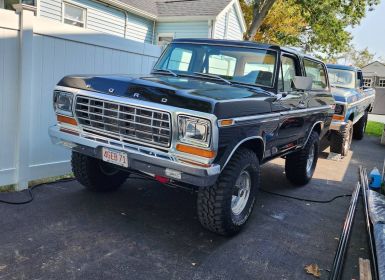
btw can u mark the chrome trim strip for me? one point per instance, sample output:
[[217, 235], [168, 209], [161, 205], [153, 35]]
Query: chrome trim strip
[[307, 139], [273, 116], [359, 101], [240, 143]]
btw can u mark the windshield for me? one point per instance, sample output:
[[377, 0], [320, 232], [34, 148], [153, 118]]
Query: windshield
[[236, 64], [342, 78]]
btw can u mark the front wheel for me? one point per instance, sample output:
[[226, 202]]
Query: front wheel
[[359, 127], [342, 140], [300, 165], [225, 207], [96, 175]]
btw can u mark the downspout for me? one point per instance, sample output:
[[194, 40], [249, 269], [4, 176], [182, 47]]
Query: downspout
[[125, 24], [213, 21], [153, 33]]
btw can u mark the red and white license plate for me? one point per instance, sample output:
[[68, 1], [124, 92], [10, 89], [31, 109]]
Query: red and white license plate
[[115, 157]]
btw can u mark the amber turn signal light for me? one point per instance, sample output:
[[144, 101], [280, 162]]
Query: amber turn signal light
[[68, 120], [227, 122], [195, 151], [338, 118]]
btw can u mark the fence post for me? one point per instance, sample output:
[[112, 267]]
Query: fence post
[[27, 14]]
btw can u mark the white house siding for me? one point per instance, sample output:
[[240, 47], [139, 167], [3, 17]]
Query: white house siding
[[139, 29], [220, 27], [193, 29], [104, 19], [228, 26]]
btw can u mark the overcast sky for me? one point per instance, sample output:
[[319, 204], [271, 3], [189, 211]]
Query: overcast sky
[[371, 32]]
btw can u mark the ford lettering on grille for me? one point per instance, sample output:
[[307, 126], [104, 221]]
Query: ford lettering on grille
[[125, 122]]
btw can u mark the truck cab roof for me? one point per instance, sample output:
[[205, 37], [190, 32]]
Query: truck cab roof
[[246, 44], [342, 67]]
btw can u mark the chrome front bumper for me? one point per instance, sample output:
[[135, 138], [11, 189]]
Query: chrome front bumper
[[142, 159], [338, 125]]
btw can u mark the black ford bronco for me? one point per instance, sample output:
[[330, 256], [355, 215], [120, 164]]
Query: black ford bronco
[[208, 115]]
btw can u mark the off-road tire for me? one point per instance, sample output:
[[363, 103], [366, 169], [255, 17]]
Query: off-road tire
[[296, 163], [214, 203], [338, 143], [89, 172], [359, 127]]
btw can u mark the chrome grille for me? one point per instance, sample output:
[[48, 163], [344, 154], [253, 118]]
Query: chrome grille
[[125, 122]]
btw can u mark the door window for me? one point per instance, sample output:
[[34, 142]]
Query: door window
[[287, 74], [316, 71]]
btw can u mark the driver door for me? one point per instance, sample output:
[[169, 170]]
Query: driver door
[[290, 103]]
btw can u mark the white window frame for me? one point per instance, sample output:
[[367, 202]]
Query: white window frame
[[366, 84], [172, 35], [84, 8], [379, 82]]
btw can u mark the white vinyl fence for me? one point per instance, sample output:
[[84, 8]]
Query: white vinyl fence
[[34, 55]]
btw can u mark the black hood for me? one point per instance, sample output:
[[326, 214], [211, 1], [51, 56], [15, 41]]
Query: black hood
[[191, 93]]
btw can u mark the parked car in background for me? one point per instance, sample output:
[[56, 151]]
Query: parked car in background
[[209, 114], [353, 103]]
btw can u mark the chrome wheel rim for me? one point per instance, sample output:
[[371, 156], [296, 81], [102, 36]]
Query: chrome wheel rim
[[242, 192], [310, 160], [348, 141]]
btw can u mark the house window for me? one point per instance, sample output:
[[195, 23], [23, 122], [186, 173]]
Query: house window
[[165, 38], [367, 82], [381, 83], [1, 4], [222, 65], [74, 15]]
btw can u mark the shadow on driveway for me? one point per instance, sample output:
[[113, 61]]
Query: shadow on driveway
[[148, 231]]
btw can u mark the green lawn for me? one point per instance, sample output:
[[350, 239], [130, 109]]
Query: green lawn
[[374, 128]]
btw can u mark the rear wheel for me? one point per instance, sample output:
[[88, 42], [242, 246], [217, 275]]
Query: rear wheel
[[359, 127], [341, 140], [300, 166], [225, 207], [96, 175]]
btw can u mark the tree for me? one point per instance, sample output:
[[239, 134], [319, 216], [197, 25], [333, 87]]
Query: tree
[[320, 25], [360, 58], [260, 8]]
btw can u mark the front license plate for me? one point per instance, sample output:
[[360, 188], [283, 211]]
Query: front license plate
[[115, 157]]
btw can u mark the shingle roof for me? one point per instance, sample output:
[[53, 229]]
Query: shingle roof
[[168, 8]]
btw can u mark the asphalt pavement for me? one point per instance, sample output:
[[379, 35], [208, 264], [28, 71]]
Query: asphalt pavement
[[148, 231]]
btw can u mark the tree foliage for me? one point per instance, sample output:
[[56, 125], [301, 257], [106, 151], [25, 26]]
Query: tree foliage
[[316, 26]]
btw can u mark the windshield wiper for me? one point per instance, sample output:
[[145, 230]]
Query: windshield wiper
[[165, 71], [213, 76]]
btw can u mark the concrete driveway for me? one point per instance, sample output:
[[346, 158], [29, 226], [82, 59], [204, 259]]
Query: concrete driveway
[[148, 231]]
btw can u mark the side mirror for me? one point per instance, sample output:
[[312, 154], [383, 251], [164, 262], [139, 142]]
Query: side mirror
[[302, 83]]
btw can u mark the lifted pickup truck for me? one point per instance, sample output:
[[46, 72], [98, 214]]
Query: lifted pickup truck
[[209, 114], [353, 103]]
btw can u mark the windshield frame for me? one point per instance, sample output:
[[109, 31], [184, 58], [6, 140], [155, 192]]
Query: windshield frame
[[251, 48], [352, 84]]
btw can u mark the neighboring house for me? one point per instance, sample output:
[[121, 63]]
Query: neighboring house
[[149, 21], [374, 76]]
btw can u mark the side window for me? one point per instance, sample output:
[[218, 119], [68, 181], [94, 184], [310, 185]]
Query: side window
[[317, 72], [287, 73], [222, 65], [180, 59]]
